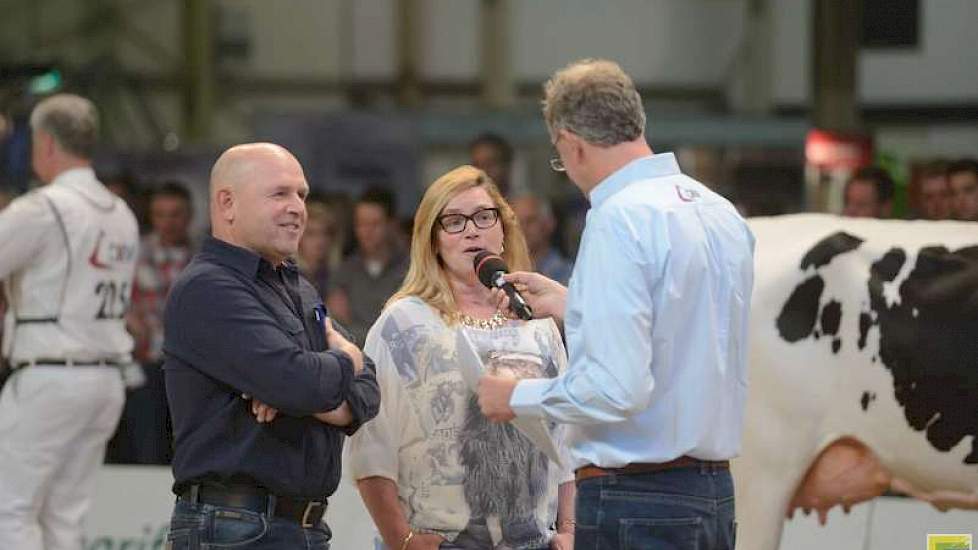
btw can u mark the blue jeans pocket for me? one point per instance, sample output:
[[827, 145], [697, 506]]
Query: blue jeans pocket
[[660, 533], [233, 528]]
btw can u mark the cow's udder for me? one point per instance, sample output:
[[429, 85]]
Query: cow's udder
[[847, 472]]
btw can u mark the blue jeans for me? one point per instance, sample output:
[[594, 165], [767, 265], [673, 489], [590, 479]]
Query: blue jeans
[[476, 536], [203, 526], [688, 508]]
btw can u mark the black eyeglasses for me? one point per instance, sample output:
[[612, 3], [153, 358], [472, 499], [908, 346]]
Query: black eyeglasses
[[456, 223]]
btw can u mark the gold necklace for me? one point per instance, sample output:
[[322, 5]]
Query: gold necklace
[[497, 320]]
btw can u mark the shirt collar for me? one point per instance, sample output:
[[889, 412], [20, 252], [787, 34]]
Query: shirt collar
[[241, 259], [82, 180], [82, 174], [652, 166]]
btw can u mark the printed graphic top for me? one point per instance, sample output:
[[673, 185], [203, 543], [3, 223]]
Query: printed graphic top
[[458, 475]]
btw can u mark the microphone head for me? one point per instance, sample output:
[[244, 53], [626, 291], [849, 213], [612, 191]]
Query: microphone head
[[486, 265]]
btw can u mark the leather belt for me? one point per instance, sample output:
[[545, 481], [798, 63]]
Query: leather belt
[[307, 513], [67, 363], [592, 471]]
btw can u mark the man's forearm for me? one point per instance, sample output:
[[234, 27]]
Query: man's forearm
[[340, 416], [566, 493], [379, 495]]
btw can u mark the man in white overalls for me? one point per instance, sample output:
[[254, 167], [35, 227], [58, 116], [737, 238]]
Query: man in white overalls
[[67, 257]]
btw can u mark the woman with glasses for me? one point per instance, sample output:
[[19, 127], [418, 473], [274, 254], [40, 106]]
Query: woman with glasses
[[431, 469]]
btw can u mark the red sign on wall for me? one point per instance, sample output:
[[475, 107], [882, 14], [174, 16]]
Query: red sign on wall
[[827, 149]]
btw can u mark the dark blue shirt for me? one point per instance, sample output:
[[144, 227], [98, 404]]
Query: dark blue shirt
[[235, 325]]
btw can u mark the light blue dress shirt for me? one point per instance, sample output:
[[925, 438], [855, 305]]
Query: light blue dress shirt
[[656, 324]]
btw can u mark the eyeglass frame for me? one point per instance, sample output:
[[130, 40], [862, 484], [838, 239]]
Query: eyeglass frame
[[557, 163], [468, 218]]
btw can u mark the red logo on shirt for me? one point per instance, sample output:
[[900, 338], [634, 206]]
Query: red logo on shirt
[[687, 195], [93, 259], [102, 257]]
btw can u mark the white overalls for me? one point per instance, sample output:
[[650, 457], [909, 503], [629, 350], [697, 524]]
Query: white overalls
[[67, 257]]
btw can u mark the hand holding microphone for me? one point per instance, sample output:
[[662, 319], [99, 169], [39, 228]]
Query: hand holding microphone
[[490, 268], [545, 297]]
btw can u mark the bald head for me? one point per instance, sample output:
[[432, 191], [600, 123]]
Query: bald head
[[238, 164], [258, 193]]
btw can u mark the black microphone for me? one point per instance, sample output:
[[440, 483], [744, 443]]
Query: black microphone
[[490, 268]]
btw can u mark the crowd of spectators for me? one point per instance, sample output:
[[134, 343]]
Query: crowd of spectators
[[357, 257]]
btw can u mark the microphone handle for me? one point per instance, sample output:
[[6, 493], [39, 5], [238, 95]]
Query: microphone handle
[[516, 302]]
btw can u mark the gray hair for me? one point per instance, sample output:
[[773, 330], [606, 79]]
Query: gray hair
[[596, 100], [71, 120]]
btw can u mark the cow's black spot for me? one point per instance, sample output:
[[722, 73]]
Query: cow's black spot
[[933, 355], [865, 321], [830, 247], [888, 267], [799, 314], [831, 316], [797, 318], [836, 345], [867, 398]]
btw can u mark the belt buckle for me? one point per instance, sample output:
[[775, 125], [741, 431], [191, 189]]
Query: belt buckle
[[310, 506]]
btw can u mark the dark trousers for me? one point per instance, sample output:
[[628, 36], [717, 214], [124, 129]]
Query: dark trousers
[[145, 431], [690, 508]]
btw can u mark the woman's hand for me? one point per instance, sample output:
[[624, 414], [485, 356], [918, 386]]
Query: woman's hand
[[425, 541], [562, 541]]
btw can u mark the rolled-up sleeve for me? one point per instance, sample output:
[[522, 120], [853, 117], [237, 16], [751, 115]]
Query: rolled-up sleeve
[[364, 396]]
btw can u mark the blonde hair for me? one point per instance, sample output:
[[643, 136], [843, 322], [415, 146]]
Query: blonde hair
[[426, 278], [596, 100]]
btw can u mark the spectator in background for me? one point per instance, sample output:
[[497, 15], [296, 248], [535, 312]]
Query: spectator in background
[[143, 435], [123, 185], [364, 282], [869, 194], [493, 155], [962, 178], [320, 249], [538, 224], [163, 254], [933, 193]]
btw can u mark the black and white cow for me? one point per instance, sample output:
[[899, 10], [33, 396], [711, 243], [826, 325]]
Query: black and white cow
[[864, 368]]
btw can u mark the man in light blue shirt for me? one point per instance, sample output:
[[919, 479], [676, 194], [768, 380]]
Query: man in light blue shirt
[[656, 320]]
